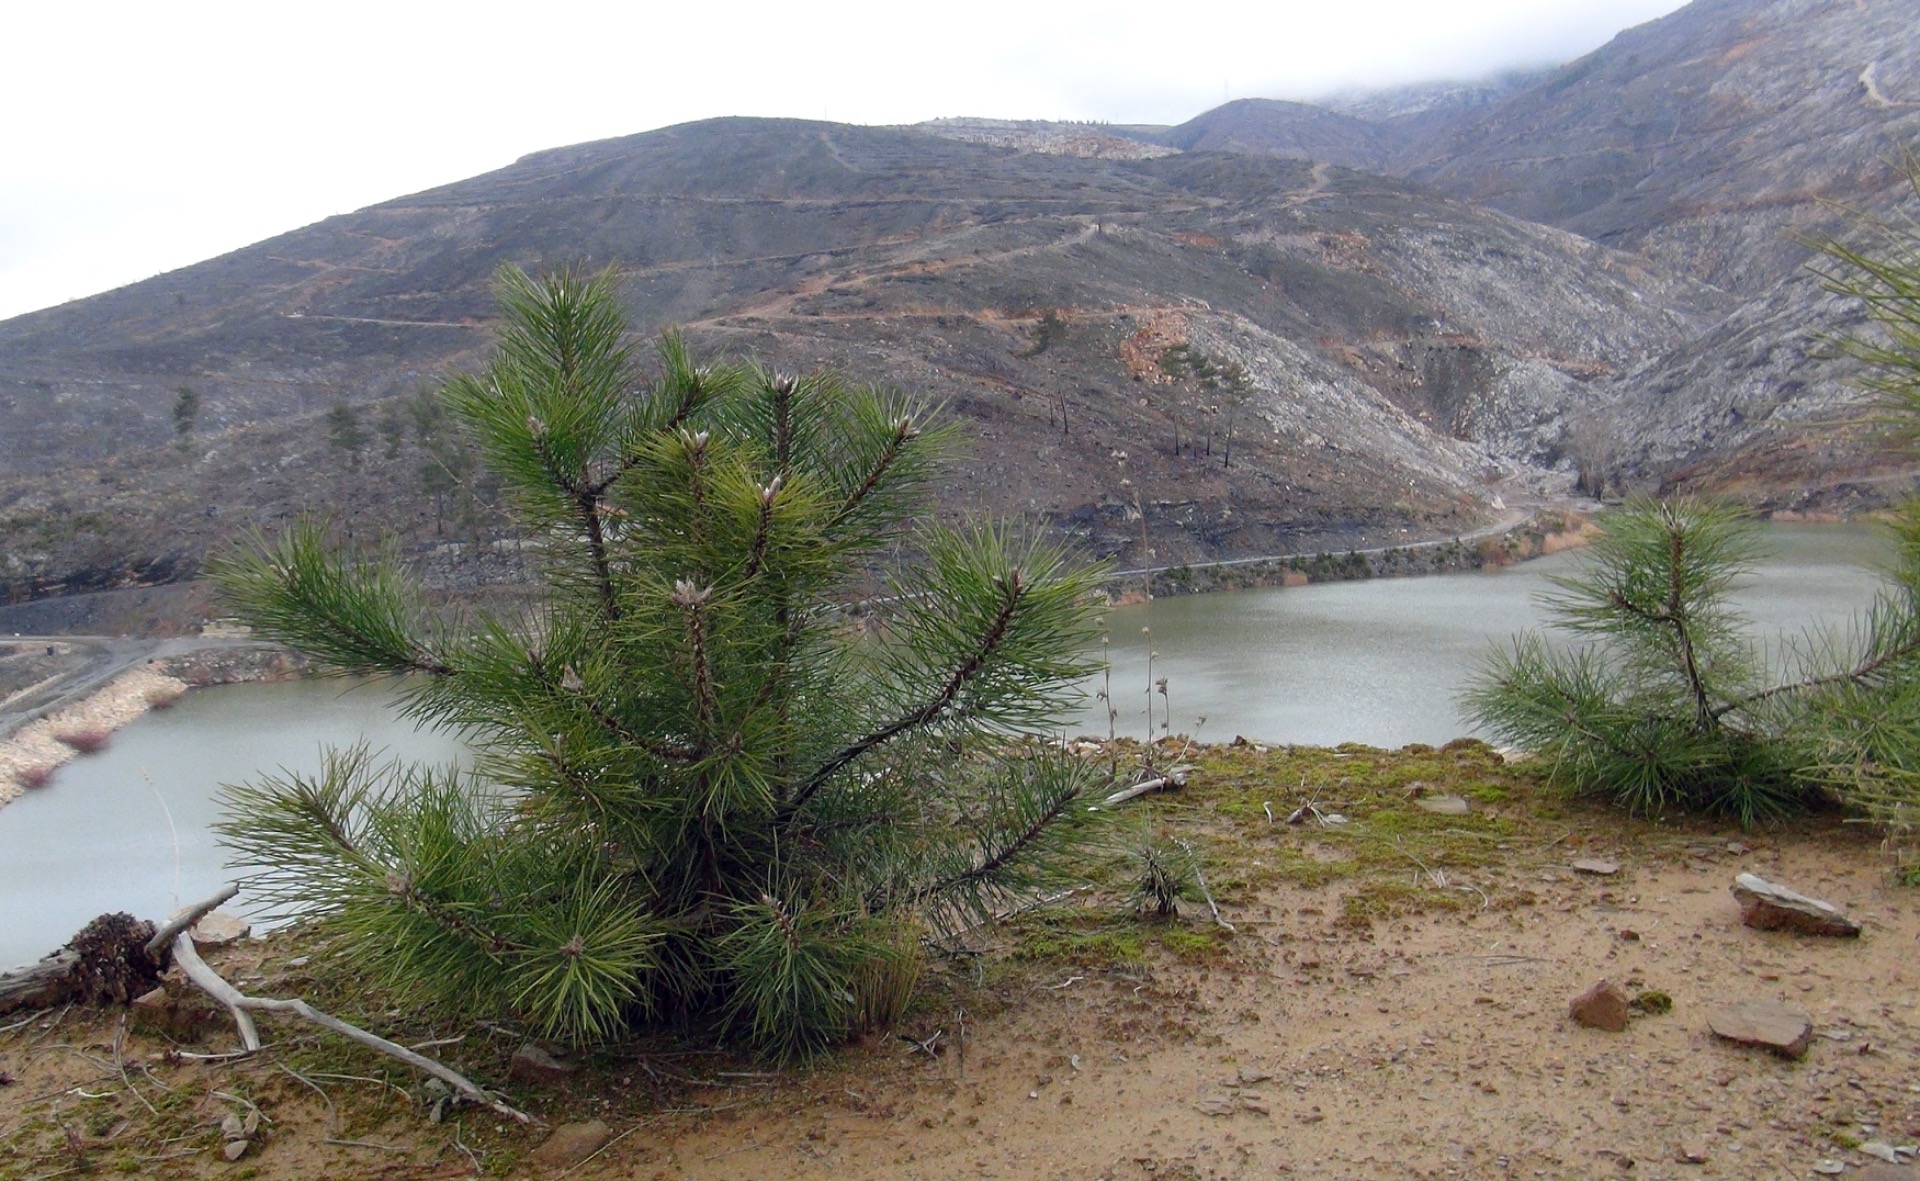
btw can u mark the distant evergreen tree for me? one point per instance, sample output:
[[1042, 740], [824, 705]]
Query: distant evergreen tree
[[346, 435], [186, 409]]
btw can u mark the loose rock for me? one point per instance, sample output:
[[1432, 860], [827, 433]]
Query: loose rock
[[541, 1066], [1767, 907], [220, 928], [571, 1144], [1884, 1172], [1691, 1153], [1603, 1006], [1597, 866], [1444, 805], [1784, 1030]]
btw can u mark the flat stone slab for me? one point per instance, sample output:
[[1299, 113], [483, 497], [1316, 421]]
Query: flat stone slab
[[219, 928], [1444, 805], [1770, 1025], [1597, 866], [1769, 907]]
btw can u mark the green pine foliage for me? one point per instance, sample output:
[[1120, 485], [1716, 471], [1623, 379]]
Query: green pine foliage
[[1161, 872], [1657, 697], [701, 789], [1863, 740], [1650, 702], [1660, 699]]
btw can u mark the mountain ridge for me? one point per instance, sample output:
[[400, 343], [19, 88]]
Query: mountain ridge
[[1400, 358]]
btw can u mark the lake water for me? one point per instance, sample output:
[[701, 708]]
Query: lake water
[[1381, 661], [128, 828], [1376, 662]]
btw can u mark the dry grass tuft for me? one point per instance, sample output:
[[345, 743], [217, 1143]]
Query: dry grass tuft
[[86, 739]]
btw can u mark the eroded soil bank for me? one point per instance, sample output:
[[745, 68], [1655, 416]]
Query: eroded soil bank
[[1392, 1002]]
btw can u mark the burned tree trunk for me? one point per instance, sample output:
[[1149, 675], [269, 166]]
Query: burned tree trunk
[[107, 961]]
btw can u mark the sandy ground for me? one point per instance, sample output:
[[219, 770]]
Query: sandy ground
[[38, 746], [1435, 1044], [1440, 1047]]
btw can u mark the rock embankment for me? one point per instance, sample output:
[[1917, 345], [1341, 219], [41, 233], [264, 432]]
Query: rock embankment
[[32, 753], [29, 757]]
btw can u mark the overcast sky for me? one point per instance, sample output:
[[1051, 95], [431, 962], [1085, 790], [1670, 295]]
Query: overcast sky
[[140, 137]]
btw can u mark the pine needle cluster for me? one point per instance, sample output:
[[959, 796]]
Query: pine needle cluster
[[1659, 697], [1653, 699], [700, 789]]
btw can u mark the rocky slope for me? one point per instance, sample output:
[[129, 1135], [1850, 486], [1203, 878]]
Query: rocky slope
[[1200, 355], [1717, 142], [1173, 343], [1706, 139]]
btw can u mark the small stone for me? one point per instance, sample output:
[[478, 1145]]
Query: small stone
[[1881, 1149], [571, 1144], [1603, 1006], [232, 1128], [1597, 866], [1217, 1105], [235, 1149], [1884, 1172], [1767, 907], [1694, 1152], [1828, 1167], [1443, 805], [220, 928], [541, 1065], [1784, 1030]]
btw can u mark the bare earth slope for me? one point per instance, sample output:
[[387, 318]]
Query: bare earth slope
[[1403, 354], [1715, 141], [1706, 138]]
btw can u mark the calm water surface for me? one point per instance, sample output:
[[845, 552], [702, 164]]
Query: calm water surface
[[1381, 661], [127, 829], [1376, 662]]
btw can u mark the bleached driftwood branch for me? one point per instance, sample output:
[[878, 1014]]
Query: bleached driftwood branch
[[1177, 777], [38, 983], [185, 920], [242, 1006]]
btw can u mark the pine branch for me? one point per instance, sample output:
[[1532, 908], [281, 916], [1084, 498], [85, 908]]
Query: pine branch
[[1037, 827], [1013, 591], [1856, 675], [903, 431]]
